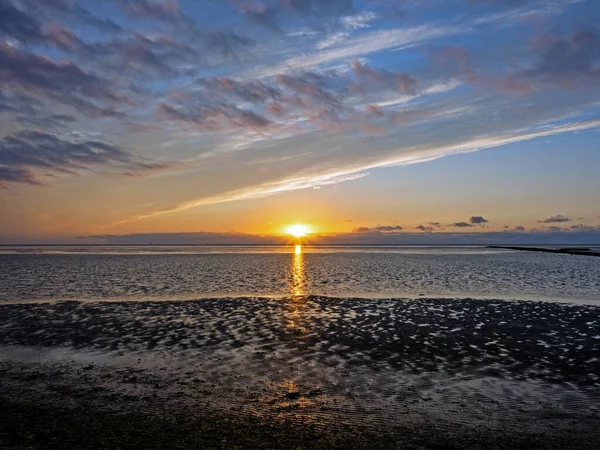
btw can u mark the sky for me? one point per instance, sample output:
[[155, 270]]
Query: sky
[[384, 121]]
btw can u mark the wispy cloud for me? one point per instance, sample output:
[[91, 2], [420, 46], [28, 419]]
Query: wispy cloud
[[256, 192], [355, 171], [365, 44]]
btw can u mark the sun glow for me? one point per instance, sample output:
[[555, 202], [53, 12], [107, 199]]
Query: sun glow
[[297, 230]]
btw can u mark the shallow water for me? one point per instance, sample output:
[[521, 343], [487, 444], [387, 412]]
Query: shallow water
[[155, 272]]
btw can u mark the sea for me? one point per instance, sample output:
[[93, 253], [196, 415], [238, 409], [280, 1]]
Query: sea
[[156, 272]]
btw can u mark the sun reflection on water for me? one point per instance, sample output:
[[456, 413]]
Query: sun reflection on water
[[298, 280], [297, 302]]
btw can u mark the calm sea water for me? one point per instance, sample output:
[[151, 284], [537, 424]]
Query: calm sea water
[[182, 272]]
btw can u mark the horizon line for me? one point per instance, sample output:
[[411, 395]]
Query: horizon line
[[290, 244]]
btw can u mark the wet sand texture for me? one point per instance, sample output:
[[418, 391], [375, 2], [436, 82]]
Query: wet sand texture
[[305, 372]]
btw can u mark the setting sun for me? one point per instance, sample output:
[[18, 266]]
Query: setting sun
[[297, 230]]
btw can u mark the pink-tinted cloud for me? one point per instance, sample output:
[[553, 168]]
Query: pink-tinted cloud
[[61, 37], [367, 76]]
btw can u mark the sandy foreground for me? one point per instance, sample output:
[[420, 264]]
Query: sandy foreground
[[302, 372]]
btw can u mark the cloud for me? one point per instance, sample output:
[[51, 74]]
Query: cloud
[[519, 229], [223, 89], [501, 3], [27, 150], [459, 59], [271, 16], [31, 25], [364, 44], [556, 219], [402, 82], [214, 118], [158, 55], [253, 192], [26, 22], [64, 39], [16, 175], [425, 229], [570, 60], [226, 44], [358, 169], [574, 229], [478, 220], [152, 9], [566, 61], [65, 82], [319, 109], [46, 121], [379, 229], [461, 224], [217, 43], [388, 228], [322, 100], [17, 24], [585, 228], [31, 112], [70, 11], [258, 13], [321, 6]]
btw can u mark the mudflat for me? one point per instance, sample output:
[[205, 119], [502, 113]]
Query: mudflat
[[300, 372]]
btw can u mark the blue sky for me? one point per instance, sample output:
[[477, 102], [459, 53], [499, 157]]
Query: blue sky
[[369, 118]]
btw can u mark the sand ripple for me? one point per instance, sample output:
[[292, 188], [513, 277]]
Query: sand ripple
[[313, 359]]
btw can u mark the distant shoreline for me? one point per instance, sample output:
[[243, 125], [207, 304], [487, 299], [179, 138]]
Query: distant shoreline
[[577, 250]]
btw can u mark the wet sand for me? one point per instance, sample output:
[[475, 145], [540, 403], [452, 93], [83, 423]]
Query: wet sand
[[302, 372]]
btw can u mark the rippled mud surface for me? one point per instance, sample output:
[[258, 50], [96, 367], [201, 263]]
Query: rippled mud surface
[[418, 373]]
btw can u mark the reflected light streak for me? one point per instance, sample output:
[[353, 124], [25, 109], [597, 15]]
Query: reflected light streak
[[298, 272]]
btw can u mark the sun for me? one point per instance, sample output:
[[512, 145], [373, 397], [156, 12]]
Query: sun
[[297, 230]]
